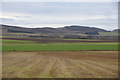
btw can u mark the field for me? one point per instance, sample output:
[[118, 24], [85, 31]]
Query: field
[[54, 45], [60, 64], [59, 58], [108, 34]]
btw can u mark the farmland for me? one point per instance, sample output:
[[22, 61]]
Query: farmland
[[108, 34], [59, 40], [26, 45], [60, 64], [53, 58]]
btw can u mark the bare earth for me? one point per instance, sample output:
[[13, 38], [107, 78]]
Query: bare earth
[[60, 64]]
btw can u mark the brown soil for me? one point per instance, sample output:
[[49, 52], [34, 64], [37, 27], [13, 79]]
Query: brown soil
[[60, 64]]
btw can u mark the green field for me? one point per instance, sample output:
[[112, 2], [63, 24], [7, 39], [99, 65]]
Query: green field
[[20, 45], [108, 34]]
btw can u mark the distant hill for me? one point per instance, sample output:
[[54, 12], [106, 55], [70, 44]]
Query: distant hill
[[69, 32], [116, 30], [47, 30], [83, 29], [16, 29]]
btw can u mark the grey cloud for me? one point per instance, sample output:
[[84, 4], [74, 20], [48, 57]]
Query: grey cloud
[[7, 20], [60, 9]]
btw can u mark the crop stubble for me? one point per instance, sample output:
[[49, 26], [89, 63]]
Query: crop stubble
[[60, 64]]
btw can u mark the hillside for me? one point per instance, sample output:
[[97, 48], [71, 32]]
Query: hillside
[[83, 29], [116, 30], [69, 32], [45, 30]]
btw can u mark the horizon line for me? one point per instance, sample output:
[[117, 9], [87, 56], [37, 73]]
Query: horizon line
[[54, 27]]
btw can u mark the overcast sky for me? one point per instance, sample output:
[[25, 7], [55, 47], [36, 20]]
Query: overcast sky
[[59, 14]]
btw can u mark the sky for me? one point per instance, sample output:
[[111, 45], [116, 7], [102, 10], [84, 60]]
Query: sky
[[59, 14]]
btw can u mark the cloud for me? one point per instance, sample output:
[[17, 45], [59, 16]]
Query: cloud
[[61, 8], [6, 20], [61, 19], [61, 13]]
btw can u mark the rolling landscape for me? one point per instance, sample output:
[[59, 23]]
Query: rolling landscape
[[59, 40], [48, 53]]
